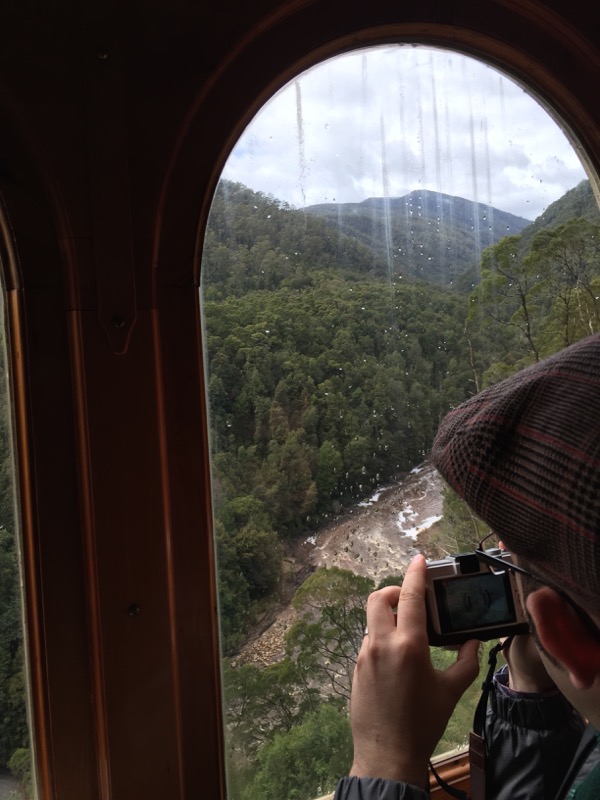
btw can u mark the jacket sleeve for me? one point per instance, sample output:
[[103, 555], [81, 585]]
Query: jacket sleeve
[[530, 742], [353, 788]]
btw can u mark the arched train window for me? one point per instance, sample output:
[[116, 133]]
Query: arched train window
[[397, 228]]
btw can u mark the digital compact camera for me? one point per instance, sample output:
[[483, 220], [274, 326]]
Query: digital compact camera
[[466, 600]]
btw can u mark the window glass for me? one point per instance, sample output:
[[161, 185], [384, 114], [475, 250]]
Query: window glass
[[16, 779], [396, 229]]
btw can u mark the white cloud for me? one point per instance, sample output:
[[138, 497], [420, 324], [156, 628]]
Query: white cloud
[[390, 119]]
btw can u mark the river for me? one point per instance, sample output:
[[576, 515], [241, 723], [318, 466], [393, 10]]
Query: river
[[379, 536], [376, 538]]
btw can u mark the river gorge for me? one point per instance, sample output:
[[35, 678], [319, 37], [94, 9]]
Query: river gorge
[[375, 538]]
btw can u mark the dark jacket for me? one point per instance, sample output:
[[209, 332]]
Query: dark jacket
[[532, 752]]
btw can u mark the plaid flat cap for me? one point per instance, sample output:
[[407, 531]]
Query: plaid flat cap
[[525, 455]]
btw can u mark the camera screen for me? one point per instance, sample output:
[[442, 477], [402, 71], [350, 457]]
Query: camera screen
[[474, 601]]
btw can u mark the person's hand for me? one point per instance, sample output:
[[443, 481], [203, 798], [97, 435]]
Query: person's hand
[[400, 704]]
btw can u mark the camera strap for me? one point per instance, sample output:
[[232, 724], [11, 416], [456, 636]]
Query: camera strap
[[477, 748], [450, 790]]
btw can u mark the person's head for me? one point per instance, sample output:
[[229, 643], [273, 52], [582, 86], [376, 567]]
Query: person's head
[[525, 455]]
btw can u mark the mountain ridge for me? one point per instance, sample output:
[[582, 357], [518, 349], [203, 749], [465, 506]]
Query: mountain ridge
[[423, 234], [255, 241], [427, 197]]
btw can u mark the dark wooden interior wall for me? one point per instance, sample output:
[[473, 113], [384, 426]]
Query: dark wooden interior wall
[[116, 119]]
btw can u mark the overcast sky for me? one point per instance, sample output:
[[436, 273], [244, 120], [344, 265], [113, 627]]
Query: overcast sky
[[387, 120]]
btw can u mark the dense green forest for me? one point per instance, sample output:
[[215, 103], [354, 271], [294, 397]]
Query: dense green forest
[[330, 365]]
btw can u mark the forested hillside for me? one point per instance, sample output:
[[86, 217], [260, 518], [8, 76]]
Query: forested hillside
[[330, 366], [577, 202], [256, 242]]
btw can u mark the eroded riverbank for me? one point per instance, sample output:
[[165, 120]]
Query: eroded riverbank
[[380, 536], [376, 538]]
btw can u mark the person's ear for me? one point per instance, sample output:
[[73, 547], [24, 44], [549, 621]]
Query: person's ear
[[565, 636]]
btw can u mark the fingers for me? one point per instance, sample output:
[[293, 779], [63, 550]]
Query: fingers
[[410, 600], [470, 651], [457, 678], [411, 606], [465, 669], [380, 610]]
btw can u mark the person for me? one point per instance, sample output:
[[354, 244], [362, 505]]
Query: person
[[525, 456]]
